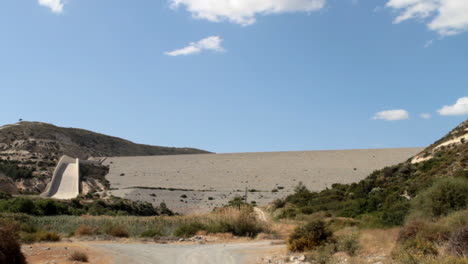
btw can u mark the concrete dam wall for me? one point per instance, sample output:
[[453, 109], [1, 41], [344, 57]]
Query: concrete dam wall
[[198, 183]]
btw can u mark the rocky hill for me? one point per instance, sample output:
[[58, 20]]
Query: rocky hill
[[30, 150]]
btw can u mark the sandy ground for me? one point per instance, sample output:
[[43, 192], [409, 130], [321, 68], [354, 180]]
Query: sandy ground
[[59, 253], [188, 254], [198, 183]]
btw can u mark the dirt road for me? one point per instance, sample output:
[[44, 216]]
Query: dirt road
[[188, 254]]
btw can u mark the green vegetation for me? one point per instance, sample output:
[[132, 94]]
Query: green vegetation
[[79, 206], [12, 170]]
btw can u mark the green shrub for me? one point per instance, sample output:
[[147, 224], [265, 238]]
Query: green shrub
[[188, 230], [443, 197], [151, 233], [309, 236], [17, 205]]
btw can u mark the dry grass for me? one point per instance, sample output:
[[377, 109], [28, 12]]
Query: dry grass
[[378, 241], [84, 230], [79, 256], [117, 231]]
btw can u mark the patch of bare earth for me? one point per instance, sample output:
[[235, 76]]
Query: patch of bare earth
[[51, 253]]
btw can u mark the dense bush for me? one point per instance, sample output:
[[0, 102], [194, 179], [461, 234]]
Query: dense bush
[[17, 205], [443, 197], [309, 236], [10, 249], [48, 207]]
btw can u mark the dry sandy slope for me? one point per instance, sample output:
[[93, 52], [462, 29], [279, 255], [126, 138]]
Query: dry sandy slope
[[215, 178]]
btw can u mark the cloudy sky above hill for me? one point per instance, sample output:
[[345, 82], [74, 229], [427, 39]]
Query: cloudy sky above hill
[[243, 75]]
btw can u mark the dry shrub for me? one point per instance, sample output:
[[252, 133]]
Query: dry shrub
[[240, 222], [458, 243], [85, 230], [78, 256], [309, 236], [47, 236], [10, 249], [117, 231]]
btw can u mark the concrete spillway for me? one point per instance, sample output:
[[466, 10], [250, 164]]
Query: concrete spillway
[[65, 183]]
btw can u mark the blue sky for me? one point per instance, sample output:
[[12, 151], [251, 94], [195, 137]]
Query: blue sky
[[268, 75]]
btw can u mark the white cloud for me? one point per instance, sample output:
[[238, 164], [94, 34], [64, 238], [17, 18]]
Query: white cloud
[[425, 115], [392, 115], [459, 108], [55, 5], [446, 17], [209, 43], [244, 12]]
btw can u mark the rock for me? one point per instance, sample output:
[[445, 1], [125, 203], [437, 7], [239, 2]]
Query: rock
[[301, 258]]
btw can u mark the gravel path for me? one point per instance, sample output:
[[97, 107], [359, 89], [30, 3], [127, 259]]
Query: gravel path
[[187, 254]]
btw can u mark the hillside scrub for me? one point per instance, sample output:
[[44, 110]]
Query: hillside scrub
[[427, 236], [384, 197], [12, 170]]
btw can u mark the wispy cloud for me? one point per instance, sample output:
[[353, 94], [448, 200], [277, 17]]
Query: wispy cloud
[[210, 43], [459, 108], [428, 43], [392, 115], [446, 17], [244, 12], [425, 116], [55, 5]]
